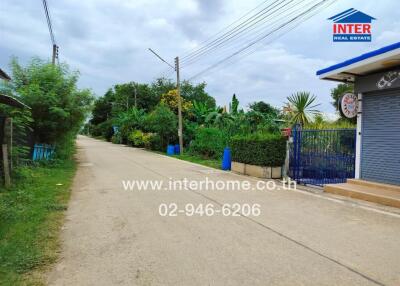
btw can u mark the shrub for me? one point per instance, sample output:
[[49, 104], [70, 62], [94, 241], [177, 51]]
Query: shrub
[[163, 122], [209, 142], [155, 142], [139, 139], [258, 149]]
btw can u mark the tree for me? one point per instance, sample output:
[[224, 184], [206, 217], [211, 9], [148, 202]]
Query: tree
[[264, 108], [197, 93], [58, 106], [300, 107], [200, 111], [163, 122], [234, 105], [128, 121], [171, 99], [219, 119]]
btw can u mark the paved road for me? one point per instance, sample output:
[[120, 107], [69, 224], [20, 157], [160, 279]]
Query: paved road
[[116, 237]]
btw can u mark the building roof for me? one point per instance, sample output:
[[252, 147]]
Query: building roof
[[352, 16], [12, 101], [4, 76], [378, 60]]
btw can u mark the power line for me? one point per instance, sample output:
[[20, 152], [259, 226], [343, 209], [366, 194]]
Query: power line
[[52, 37], [46, 11], [261, 38], [255, 48], [223, 29], [251, 28], [237, 27]]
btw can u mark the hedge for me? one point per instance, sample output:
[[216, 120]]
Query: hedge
[[209, 143], [257, 149]]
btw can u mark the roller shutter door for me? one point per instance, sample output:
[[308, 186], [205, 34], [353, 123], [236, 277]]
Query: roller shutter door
[[380, 151]]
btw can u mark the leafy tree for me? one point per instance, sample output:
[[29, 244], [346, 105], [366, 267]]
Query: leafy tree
[[171, 99], [161, 86], [301, 107], [58, 106], [219, 119], [128, 121], [200, 111], [197, 93], [102, 108], [163, 122], [264, 108], [234, 105]]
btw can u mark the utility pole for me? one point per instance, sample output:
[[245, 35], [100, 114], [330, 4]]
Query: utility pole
[[178, 89], [53, 59], [134, 86]]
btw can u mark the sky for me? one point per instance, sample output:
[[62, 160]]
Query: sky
[[108, 41]]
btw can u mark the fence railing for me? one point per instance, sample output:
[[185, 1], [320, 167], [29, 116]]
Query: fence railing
[[320, 157], [43, 152]]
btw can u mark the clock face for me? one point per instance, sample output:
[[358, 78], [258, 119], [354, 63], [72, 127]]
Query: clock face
[[348, 105]]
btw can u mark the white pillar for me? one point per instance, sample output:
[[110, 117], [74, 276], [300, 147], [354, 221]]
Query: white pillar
[[358, 138]]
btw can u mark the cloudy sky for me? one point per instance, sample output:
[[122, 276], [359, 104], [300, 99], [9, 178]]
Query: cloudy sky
[[107, 41]]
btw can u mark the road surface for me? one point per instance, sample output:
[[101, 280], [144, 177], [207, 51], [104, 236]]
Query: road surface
[[114, 236]]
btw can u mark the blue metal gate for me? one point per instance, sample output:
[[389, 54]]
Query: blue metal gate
[[319, 157]]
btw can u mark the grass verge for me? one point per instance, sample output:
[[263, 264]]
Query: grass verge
[[31, 215], [213, 163]]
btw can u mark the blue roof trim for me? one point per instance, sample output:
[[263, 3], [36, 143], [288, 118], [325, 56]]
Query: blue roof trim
[[360, 58]]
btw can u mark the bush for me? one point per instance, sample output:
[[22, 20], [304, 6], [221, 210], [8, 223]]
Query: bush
[[155, 142], [209, 142], [163, 122], [257, 149], [139, 139]]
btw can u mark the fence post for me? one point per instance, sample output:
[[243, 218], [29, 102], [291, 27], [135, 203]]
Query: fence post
[[6, 166]]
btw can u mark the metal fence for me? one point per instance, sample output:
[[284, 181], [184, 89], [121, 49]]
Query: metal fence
[[42, 152], [319, 157]]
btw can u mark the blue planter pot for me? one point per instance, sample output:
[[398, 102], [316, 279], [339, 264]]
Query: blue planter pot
[[226, 159], [177, 149], [170, 150]]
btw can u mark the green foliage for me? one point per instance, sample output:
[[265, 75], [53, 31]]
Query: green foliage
[[234, 105], [139, 138], [31, 215], [127, 121], [209, 142], [163, 122], [320, 122], [264, 108], [58, 106], [103, 130], [197, 93], [301, 107], [200, 111], [259, 149], [155, 142]]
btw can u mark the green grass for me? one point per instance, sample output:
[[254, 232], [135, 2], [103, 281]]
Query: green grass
[[213, 163], [31, 215]]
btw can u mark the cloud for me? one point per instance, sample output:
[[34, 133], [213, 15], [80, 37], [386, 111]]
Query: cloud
[[108, 40]]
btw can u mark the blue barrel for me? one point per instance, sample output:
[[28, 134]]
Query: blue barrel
[[170, 150], [177, 149], [226, 159]]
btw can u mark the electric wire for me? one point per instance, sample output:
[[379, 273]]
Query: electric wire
[[254, 42], [257, 30]]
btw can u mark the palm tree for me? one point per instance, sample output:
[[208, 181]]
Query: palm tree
[[300, 107]]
